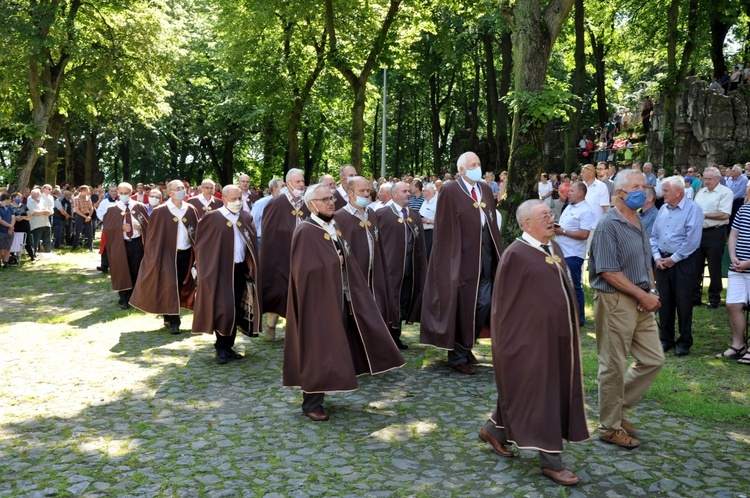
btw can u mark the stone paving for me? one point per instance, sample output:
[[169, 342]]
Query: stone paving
[[108, 404]]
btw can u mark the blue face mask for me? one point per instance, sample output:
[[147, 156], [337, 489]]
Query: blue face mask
[[474, 174], [17, 201], [362, 201], [636, 199]]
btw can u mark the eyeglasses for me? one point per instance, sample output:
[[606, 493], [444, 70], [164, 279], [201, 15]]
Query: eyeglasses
[[326, 200]]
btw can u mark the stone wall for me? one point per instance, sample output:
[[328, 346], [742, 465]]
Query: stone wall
[[710, 128]]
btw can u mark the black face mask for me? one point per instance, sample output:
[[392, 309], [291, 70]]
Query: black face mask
[[323, 217]]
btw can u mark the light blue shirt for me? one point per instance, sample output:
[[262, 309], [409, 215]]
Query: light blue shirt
[[677, 230], [257, 212], [738, 186]]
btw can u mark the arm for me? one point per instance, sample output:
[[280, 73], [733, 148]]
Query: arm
[[646, 300]]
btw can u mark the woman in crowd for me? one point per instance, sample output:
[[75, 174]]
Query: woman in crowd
[[21, 212]]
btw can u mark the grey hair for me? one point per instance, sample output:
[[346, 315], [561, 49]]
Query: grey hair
[[461, 162], [674, 181], [126, 185], [431, 187], [387, 185], [624, 176], [713, 170], [225, 191], [524, 210], [209, 181], [648, 164], [310, 192], [274, 183], [737, 167], [351, 180], [293, 171]]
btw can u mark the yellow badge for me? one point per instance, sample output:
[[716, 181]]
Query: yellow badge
[[326, 236], [296, 213], [175, 219], [408, 219], [338, 233], [184, 220], [476, 205], [484, 205], [239, 223], [205, 208], [551, 260], [400, 220], [123, 213], [229, 224]]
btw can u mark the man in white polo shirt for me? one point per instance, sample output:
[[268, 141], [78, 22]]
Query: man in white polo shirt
[[597, 196], [571, 234]]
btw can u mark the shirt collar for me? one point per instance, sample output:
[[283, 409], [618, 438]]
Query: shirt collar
[[534, 242]]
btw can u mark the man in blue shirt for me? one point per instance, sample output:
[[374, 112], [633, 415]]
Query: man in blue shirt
[[675, 238], [7, 223]]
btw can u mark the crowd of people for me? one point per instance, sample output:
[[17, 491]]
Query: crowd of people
[[730, 82], [346, 262]]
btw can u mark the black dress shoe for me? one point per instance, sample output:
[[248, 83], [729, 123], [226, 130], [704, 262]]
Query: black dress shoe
[[103, 269], [124, 306], [401, 345], [666, 347], [320, 416], [233, 355], [712, 306], [174, 329], [222, 357], [681, 351], [697, 303]]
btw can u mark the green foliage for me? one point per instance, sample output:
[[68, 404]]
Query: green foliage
[[538, 107]]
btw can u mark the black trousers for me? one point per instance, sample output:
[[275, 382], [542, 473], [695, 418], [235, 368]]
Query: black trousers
[[712, 246], [428, 241], [407, 285], [183, 266], [85, 227], [134, 253], [675, 286], [241, 276]]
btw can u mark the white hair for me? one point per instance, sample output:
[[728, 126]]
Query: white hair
[[209, 181], [274, 183], [623, 177], [228, 188], [386, 185], [310, 192], [293, 171], [461, 162], [125, 185], [524, 210], [675, 181]]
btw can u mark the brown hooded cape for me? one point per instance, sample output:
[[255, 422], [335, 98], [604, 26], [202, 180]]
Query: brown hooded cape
[[355, 232], [213, 205], [214, 262], [393, 246], [536, 349], [319, 354], [450, 297], [277, 226], [156, 290], [112, 223]]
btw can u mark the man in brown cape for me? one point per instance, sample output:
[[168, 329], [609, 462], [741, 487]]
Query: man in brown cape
[[405, 260], [280, 218], [226, 261], [333, 330], [466, 249], [249, 196], [165, 283], [342, 197], [205, 202], [123, 231], [536, 350], [359, 226]]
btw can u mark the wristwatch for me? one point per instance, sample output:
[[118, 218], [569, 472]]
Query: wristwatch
[[563, 231], [654, 292]]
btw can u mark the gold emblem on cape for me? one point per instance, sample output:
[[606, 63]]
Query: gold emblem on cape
[[365, 223], [476, 204], [551, 260], [206, 208], [296, 213], [400, 220], [326, 236], [184, 220], [338, 233], [229, 224], [409, 219], [483, 205], [175, 219], [239, 223], [123, 213]]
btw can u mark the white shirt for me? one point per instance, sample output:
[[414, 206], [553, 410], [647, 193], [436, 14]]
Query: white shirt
[[597, 196], [103, 206], [183, 241], [575, 217], [342, 193], [712, 201], [478, 193], [239, 242], [536, 243], [428, 211], [245, 207], [136, 233], [257, 212]]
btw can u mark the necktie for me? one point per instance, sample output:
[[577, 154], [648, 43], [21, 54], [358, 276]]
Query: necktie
[[129, 222], [546, 249], [474, 194], [406, 225]]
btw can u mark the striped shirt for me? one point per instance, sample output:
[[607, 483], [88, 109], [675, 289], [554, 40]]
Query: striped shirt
[[741, 224], [619, 246], [416, 202]]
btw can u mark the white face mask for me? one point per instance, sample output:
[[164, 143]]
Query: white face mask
[[179, 195], [234, 206], [124, 198], [298, 192], [154, 201]]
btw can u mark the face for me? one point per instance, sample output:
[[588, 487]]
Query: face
[[348, 172], [472, 162], [428, 194], [155, 194], [174, 188], [362, 188], [503, 176], [647, 168], [322, 202], [575, 195], [232, 195], [329, 182], [588, 172], [602, 171], [384, 194], [112, 192], [672, 194], [691, 171], [296, 182], [711, 179], [207, 189], [244, 182], [47, 190], [139, 189], [401, 194], [635, 182], [541, 223]]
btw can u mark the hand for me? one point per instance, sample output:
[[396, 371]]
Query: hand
[[668, 263], [649, 302], [136, 225], [126, 227], [558, 230]]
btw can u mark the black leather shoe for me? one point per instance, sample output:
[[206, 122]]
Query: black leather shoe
[[712, 306], [233, 355], [401, 345], [222, 357], [174, 329], [681, 351], [103, 269], [124, 306], [666, 347]]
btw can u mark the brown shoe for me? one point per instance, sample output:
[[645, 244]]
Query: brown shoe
[[627, 427], [473, 359], [620, 438], [499, 447], [317, 416], [565, 477], [465, 368]]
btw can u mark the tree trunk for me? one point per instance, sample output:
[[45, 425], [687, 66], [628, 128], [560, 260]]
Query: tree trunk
[[91, 164], [51, 144], [506, 76], [123, 151], [534, 34], [719, 32], [572, 133], [491, 99], [399, 127], [374, 154], [597, 49], [474, 112], [70, 146]]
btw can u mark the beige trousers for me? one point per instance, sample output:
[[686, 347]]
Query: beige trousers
[[621, 330]]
